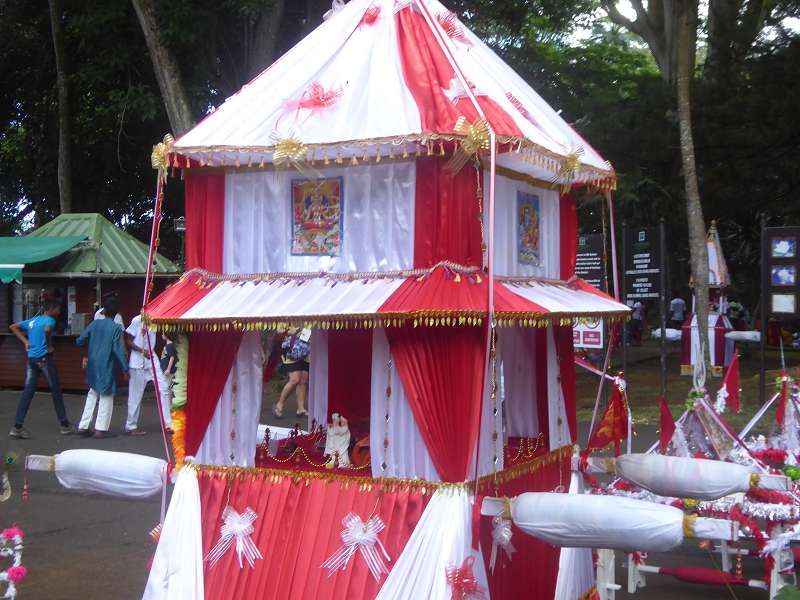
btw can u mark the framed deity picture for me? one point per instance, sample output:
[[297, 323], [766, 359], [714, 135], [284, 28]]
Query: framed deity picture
[[783, 247], [528, 229], [783, 275], [317, 217], [784, 303]]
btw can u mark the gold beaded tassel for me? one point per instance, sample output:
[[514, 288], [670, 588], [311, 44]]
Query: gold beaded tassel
[[493, 396], [234, 383], [479, 198], [384, 465]]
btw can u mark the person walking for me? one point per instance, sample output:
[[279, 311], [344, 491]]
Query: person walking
[[106, 350], [677, 312], [100, 313], [295, 350], [140, 342], [36, 334], [169, 365]]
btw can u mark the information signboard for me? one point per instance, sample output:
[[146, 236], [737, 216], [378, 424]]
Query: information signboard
[[642, 262]]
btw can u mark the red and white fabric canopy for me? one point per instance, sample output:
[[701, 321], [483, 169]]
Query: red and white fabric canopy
[[386, 78], [444, 295]]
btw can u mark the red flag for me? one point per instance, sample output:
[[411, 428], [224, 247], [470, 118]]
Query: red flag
[[613, 426], [731, 384], [667, 425], [780, 415]]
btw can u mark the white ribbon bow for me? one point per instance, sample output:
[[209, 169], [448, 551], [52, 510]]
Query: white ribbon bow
[[357, 535], [501, 537], [236, 527]]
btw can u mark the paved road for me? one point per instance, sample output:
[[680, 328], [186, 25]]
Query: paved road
[[92, 547]]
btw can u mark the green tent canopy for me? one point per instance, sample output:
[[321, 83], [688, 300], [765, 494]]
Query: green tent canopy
[[16, 252]]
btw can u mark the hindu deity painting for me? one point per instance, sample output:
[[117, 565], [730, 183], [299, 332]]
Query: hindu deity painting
[[317, 217], [528, 229]]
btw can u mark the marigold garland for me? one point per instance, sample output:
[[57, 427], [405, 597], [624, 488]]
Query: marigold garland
[[179, 436]]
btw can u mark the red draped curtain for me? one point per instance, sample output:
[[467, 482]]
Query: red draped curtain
[[566, 371], [299, 525], [211, 356], [205, 220], [568, 234], [442, 371], [446, 224], [533, 571], [349, 373]]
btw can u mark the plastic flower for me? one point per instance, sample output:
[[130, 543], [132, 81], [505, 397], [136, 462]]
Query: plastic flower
[[17, 574], [12, 532]]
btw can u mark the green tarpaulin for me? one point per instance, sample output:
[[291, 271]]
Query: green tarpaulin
[[16, 252]]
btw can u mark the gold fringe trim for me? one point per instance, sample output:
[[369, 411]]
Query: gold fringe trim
[[423, 318], [385, 484], [526, 150]]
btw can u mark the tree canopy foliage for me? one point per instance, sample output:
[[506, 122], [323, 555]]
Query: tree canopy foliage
[[602, 78]]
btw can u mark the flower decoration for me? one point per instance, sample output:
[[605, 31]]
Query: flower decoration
[[16, 574], [476, 139], [568, 171], [463, 583], [11, 549], [236, 531], [159, 158], [179, 436], [370, 17], [358, 536]]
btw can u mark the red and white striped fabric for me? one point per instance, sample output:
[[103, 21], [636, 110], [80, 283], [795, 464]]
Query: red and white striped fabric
[[444, 292], [383, 72]]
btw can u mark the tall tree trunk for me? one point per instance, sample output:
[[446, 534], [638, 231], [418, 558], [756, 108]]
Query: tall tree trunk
[[173, 91], [64, 129], [694, 210], [265, 38]]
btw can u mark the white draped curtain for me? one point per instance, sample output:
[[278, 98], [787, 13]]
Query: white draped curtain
[[441, 539], [407, 455], [516, 353], [177, 571], [318, 378], [506, 261], [575, 565], [238, 411], [556, 406], [377, 220]]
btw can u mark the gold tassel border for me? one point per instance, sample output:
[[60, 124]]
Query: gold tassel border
[[385, 484]]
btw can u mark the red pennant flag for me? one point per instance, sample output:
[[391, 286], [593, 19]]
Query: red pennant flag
[[780, 415], [667, 426], [731, 384], [613, 426]]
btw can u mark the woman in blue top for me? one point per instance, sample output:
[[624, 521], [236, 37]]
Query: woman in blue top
[[35, 334]]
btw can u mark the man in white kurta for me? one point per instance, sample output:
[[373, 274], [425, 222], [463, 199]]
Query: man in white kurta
[[140, 369]]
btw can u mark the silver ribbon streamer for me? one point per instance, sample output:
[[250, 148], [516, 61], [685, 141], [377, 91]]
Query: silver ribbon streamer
[[236, 528], [361, 537]]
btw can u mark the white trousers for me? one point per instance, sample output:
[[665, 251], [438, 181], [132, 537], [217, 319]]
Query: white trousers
[[103, 411], [137, 383]]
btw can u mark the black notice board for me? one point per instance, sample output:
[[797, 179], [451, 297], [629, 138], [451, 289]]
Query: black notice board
[[642, 262], [589, 264], [781, 269]]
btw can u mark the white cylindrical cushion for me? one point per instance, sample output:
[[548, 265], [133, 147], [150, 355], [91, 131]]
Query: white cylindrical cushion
[[118, 474], [586, 521], [684, 477]]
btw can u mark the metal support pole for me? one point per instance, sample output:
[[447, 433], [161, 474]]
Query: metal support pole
[[624, 294], [763, 341], [663, 300]]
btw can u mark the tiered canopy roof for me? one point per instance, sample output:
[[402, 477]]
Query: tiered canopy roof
[[379, 79], [444, 295]]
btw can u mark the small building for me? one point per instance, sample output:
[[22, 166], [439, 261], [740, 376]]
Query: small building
[[76, 258]]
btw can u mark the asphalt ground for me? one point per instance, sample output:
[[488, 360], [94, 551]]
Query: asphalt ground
[[79, 547]]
